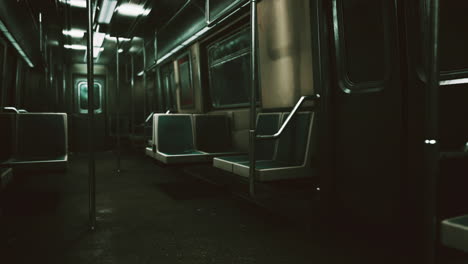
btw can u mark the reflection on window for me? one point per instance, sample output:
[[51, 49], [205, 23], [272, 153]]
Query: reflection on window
[[229, 70], [185, 80], [83, 97]]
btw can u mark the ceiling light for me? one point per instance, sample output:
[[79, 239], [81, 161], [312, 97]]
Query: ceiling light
[[120, 50], [132, 10], [96, 51], [141, 73], [98, 39], [107, 11], [74, 33], [75, 47], [121, 39], [75, 3]]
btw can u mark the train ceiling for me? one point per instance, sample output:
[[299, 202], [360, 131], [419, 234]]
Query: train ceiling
[[71, 16]]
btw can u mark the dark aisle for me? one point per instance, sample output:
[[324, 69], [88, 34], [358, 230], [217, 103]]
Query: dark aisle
[[147, 214]]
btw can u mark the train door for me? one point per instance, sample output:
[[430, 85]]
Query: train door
[[366, 89], [80, 119]]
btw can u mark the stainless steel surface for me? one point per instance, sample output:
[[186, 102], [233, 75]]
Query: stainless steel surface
[[253, 99], [144, 79], [117, 86], [91, 164], [284, 52], [293, 113], [11, 108]]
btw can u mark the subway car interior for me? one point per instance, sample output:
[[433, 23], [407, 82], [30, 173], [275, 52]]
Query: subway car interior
[[234, 131]]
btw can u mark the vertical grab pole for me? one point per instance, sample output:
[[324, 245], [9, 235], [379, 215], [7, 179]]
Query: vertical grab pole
[[432, 134], [91, 163], [144, 81], [253, 100], [132, 86], [117, 86]]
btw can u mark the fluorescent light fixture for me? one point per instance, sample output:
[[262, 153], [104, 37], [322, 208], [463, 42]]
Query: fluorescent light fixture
[[453, 82], [97, 51], [74, 33], [75, 47], [132, 10], [141, 73], [121, 39], [75, 3], [98, 39], [120, 50], [15, 44], [107, 11]]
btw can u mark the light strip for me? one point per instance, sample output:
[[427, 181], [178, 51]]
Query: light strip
[[184, 44], [15, 44], [74, 33], [141, 73], [107, 11], [75, 3], [121, 39], [453, 82], [75, 47], [132, 10], [98, 39]]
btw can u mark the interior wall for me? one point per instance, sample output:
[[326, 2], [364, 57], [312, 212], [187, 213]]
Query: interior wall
[[285, 52]]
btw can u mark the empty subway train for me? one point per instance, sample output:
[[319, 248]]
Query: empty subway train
[[233, 131]]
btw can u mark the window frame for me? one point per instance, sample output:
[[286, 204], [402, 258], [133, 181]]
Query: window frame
[[345, 83], [236, 55], [85, 111]]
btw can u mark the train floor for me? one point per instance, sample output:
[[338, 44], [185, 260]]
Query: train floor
[[154, 214]]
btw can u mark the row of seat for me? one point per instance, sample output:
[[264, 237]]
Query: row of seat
[[33, 140], [187, 138], [285, 158]]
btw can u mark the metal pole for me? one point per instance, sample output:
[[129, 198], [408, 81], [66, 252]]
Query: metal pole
[[253, 100], [432, 133], [91, 164], [132, 86], [118, 103], [144, 81]]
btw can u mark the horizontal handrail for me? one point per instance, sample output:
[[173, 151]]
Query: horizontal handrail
[[149, 117], [11, 108], [293, 113]]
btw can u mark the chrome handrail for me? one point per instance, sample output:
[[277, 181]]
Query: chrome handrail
[[149, 117], [11, 108], [293, 113]]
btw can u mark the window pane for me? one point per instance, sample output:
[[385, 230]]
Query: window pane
[[364, 40], [84, 96], [186, 90], [229, 70], [453, 38], [231, 82]]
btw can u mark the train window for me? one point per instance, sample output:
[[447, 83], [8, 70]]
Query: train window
[[185, 82], [453, 38], [83, 97], [362, 42], [229, 70]]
